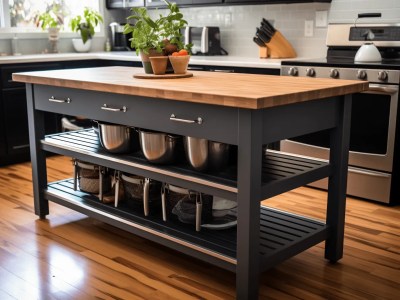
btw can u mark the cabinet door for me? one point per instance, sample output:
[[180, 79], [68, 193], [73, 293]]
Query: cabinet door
[[161, 3], [15, 123], [2, 131], [16, 120], [272, 1], [115, 3], [134, 3], [198, 2]]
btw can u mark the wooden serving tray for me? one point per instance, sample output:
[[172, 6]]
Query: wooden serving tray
[[165, 76]]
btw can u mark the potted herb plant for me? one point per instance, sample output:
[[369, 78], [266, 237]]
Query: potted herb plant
[[156, 37], [52, 20], [85, 25]]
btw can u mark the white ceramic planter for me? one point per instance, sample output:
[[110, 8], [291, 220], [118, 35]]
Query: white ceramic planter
[[79, 46]]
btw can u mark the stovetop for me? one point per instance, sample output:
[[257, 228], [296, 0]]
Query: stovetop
[[343, 62]]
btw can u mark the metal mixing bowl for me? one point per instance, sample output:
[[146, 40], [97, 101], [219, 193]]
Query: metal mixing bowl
[[204, 154], [158, 147], [117, 138]]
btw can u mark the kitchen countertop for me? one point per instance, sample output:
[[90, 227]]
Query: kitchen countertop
[[221, 60], [225, 89]]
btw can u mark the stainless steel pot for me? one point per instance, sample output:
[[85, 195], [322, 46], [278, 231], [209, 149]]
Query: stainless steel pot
[[117, 138], [158, 147], [204, 154]]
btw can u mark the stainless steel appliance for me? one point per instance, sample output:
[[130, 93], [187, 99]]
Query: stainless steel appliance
[[205, 40], [374, 160], [119, 41]]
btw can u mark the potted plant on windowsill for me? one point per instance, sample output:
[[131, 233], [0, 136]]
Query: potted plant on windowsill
[[85, 25], [52, 21], [156, 37]]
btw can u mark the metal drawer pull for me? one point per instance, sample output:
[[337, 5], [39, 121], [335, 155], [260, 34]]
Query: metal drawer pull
[[52, 99], [105, 107], [20, 147], [174, 118]]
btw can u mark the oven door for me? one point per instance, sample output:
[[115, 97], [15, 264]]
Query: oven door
[[373, 126]]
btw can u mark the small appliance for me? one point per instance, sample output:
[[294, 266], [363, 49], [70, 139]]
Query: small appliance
[[119, 40], [205, 40]]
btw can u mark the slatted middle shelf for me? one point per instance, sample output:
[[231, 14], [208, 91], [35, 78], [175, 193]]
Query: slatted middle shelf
[[282, 234], [281, 172]]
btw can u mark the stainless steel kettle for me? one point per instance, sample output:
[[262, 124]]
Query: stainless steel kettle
[[368, 51]]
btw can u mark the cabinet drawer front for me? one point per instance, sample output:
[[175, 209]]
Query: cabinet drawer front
[[217, 123]]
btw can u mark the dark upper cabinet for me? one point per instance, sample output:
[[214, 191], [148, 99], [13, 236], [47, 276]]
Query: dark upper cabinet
[[124, 3], [271, 1], [161, 3], [134, 3]]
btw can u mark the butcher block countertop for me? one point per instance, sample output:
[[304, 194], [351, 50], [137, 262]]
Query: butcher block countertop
[[226, 89]]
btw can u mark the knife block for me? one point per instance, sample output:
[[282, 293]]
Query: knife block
[[278, 47], [263, 52]]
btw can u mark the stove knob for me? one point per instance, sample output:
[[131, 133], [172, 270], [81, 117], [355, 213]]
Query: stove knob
[[310, 72], [293, 71], [361, 74], [334, 73], [382, 75]]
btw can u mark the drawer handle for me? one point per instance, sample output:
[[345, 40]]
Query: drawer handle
[[106, 107], [174, 118], [53, 99], [20, 147]]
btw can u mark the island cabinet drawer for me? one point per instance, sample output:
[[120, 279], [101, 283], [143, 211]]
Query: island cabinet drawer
[[213, 122]]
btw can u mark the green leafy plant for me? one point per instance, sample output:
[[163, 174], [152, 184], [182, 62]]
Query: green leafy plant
[[86, 23], [52, 18], [162, 34]]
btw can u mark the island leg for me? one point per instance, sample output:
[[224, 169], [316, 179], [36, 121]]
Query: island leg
[[339, 156], [249, 193], [38, 157]]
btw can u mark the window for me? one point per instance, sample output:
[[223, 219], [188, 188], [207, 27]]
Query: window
[[20, 15]]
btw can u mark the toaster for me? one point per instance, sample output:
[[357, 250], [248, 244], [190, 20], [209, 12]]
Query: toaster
[[205, 40]]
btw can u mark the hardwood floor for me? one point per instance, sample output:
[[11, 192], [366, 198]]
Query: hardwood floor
[[70, 256]]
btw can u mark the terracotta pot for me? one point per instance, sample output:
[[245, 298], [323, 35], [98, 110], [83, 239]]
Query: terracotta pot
[[146, 61], [159, 64], [179, 63]]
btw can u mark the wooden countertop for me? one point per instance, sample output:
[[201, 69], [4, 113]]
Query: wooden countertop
[[226, 89]]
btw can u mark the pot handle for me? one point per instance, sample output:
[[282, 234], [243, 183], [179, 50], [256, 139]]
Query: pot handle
[[117, 180], [163, 203], [199, 208], [146, 190]]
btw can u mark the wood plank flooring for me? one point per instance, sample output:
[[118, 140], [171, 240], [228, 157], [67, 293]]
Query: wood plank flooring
[[70, 256]]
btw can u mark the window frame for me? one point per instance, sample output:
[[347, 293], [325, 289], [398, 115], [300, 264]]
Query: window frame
[[38, 33]]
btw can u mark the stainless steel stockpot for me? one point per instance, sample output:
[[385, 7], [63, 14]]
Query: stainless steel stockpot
[[158, 147], [117, 138], [204, 154]]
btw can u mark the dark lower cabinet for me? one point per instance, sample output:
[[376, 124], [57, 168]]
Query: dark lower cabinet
[[16, 121], [14, 134]]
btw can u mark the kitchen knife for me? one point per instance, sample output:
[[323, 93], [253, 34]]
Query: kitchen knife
[[259, 42], [268, 25], [262, 36], [266, 31]]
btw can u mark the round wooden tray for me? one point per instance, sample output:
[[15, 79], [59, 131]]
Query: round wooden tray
[[165, 76]]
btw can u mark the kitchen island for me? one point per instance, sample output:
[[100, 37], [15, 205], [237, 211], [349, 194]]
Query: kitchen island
[[247, 111]]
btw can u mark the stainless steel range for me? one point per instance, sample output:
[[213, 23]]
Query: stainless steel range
[[374, 161]]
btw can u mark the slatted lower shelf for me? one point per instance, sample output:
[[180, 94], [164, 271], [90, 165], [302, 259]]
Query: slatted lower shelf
[[281, 172], [282, 234]]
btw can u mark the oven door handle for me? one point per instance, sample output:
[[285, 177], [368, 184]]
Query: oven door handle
[[373, 88]]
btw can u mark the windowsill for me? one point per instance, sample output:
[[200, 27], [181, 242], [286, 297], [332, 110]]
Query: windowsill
[[25, 34]]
